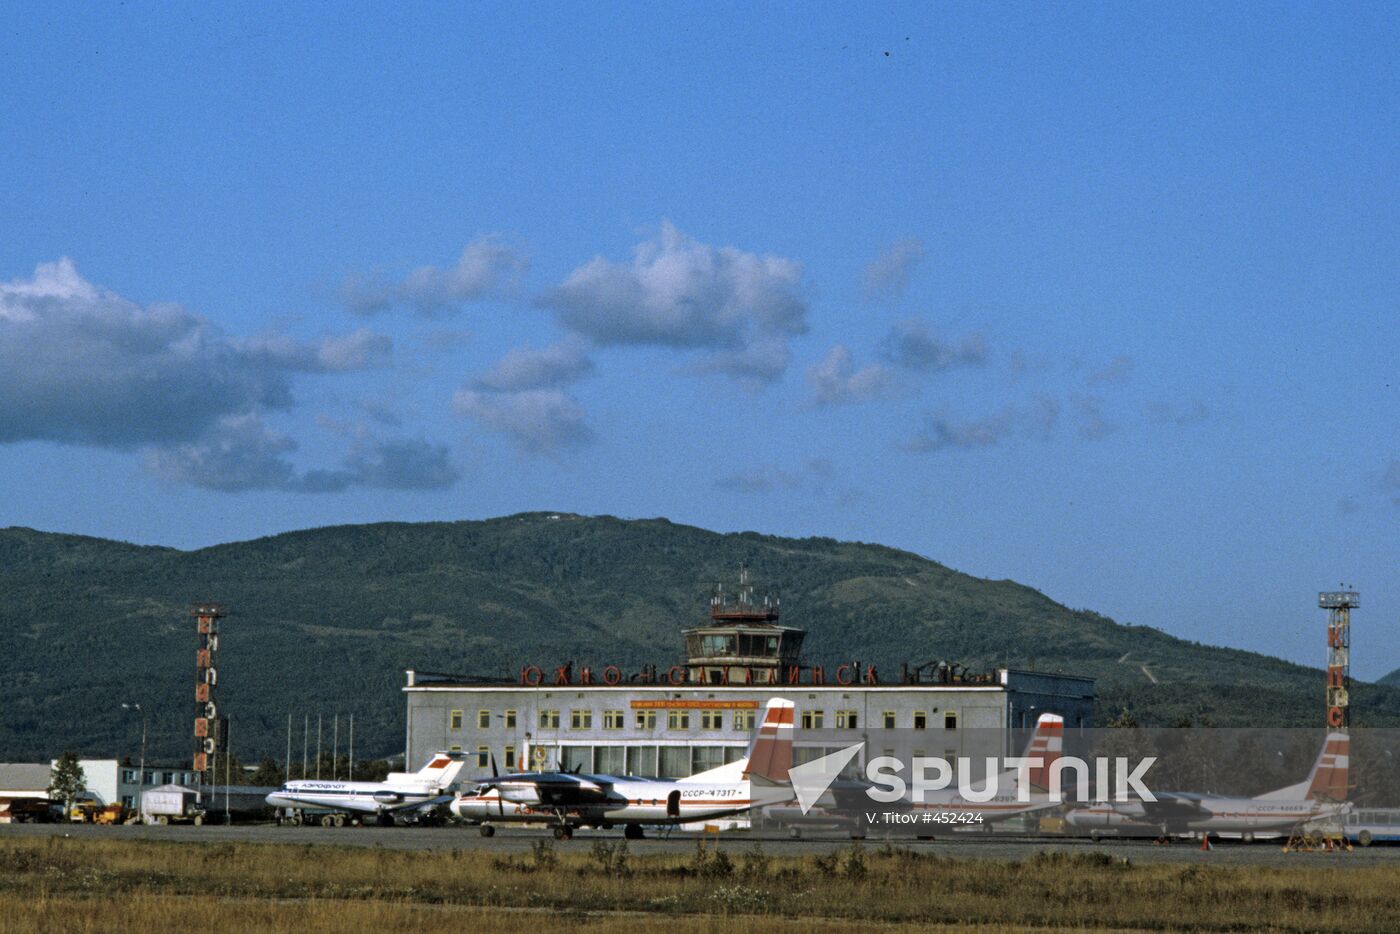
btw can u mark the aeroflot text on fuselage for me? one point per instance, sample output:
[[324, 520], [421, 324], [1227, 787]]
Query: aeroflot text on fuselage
[[934, 773]]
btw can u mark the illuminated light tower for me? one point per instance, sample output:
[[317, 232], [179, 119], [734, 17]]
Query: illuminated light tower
[[208, 725], [1339, 604]]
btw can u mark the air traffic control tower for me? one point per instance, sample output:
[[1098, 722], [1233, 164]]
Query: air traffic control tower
[[743, 643]]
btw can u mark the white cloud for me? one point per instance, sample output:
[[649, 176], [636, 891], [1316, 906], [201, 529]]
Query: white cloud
[[912, 346], [836, 381], [887, 276], [488, 266], [537, 421], [678, 292], [756, 365], [526, 368], [240, 453], [940, 431], [82, 365]]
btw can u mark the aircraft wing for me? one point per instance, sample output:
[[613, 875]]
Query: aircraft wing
[[1174, 807], [553, 789]]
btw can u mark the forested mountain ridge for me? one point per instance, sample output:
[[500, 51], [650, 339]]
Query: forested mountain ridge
[[326, 620]]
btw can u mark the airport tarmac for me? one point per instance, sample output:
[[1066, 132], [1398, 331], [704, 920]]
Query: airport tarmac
[[519, 840]]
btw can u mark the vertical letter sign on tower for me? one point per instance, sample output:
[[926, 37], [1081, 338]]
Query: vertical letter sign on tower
[[1338, 604], [207, 736]]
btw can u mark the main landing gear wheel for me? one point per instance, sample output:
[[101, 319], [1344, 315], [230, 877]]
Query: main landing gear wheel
[[339, 820], [633, 832], [1364, 838], [487, 830], [326, 820], [563, 833]]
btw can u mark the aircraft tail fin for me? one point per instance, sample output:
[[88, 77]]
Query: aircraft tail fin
[[1047, 743], [440, 771], [770, 752], [1328, 778]]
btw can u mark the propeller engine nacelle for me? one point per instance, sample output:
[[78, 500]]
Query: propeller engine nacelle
[[520, 794]]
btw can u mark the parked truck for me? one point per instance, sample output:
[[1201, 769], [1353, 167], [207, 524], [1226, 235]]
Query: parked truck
[[171, 804]]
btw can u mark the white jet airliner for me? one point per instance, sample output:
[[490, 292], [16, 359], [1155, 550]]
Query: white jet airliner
[[400, 791], [570, 799]]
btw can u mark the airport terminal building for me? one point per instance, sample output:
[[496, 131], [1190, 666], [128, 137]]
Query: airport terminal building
[[700, 714]]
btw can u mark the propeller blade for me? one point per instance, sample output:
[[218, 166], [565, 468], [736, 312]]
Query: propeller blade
[[494, 773]]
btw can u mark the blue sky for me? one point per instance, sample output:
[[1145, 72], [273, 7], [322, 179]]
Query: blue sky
[[1096, 298]]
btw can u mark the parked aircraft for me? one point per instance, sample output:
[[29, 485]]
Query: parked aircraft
[[850, 805], [400, 791], [1321, 796], [572, 799]]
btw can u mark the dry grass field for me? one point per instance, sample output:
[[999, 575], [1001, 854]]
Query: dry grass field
[[55, 884]]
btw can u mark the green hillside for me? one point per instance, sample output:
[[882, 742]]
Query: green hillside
[[326, 620]]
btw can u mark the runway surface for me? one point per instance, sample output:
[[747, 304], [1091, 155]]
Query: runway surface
[[519, 840]]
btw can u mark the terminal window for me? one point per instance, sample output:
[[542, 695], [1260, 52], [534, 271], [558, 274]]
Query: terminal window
[[510, 757], [454, 720], [581, 719], [678, 719], [549, 719], [950, 720], [483, 757], [483, 719], [646, 720], [847, 720], [812, 719], [711, 720], [613, 719], [510, 719], [743, 720], [889, 719], [920, 720]]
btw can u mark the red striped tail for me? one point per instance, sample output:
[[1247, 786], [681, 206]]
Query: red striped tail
[[770, 753], [1328, 778], [1047, 742]]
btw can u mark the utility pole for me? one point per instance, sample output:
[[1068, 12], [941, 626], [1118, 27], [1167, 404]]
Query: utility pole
[[352, 747], [318, 747], [335, 747], [141, 776], [228, 765], [305, 733], [288, 775]]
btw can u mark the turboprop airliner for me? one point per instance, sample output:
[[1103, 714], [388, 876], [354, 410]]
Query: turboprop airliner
[[1320, 796], [400, 791], [569, 800], [949, 808]]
